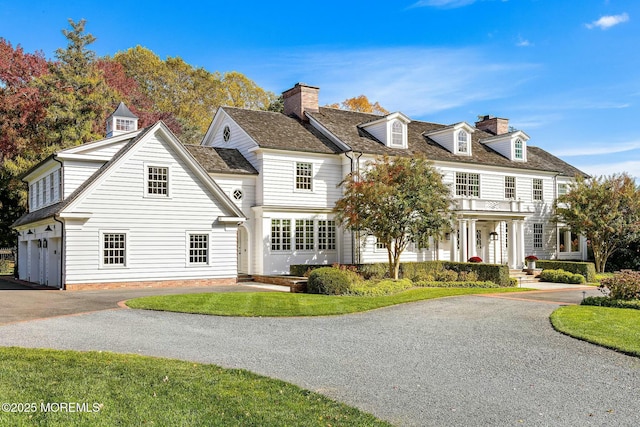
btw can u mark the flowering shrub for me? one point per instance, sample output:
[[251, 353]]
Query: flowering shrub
[[475, 259], [530, 258], [624, 285]]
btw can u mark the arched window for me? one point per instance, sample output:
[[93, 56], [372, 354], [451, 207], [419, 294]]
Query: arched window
[[396, 134], [518, 152], [463, 142]]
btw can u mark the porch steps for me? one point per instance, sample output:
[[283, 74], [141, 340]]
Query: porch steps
[[524, 277], [295, 283]]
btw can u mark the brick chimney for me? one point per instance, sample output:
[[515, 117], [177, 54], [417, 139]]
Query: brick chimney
[[299, 99], [494, 125]]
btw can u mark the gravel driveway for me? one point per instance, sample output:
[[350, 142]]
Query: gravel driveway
[[464, 361]]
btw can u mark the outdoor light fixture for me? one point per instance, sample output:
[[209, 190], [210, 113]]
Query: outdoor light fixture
[[44, 243], [447, 236], [493, 236], [30, 232], [39, 243], [48, 228]]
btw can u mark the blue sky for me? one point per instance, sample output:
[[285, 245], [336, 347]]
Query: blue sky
[[565, 72]]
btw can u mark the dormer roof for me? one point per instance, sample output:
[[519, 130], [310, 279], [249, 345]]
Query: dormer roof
[[123, 111]]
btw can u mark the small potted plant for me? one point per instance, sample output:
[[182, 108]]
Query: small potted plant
[[475, 259], [531, 262]]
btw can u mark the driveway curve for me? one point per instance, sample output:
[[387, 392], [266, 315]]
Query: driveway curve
[[456, 361]]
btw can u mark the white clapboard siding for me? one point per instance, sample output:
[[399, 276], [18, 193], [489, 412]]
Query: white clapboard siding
[[238, 140], [278, 179], [380, 131], [157, 227], [75, 173]]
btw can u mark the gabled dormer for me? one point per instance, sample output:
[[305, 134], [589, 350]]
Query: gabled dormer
[[456, 138], [122, 120], [391, 130], [512, 145]]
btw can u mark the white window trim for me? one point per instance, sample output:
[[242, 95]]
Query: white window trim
[[457, 142], [187, 245], [145, 189], [335, 236], [290, 240], [403, 136], [126, 249], [295, 178]]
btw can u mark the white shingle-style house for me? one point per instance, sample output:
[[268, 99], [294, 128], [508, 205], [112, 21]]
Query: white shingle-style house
[[504, 188], [134, 209]]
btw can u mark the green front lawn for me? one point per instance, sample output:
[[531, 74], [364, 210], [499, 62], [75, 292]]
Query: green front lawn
[[277, 304], [615, 328], [107, 389]]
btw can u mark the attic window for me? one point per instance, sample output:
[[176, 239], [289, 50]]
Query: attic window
[[396, 133], [463, 142], [517, 150], [124, 124]]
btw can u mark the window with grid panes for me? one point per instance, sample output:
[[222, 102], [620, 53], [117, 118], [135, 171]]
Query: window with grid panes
[[304, 235], [158, 180], [114, 246], [518, 149], [467, 184], [537, 189], [396, 133], [463, 142], [509, 187], [280, 234], [537, 235], [198, 248], [326, 235], [304, 176], [124, 124]]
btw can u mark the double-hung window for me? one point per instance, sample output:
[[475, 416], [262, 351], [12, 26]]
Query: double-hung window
[[509, 187], [463, 142], [537, 235], [280, 234], [326, 235], [518, 150], [304, 235], [537, 189], [467, 184], [114, 249], [157, 181], [198, 248], [304, 176]]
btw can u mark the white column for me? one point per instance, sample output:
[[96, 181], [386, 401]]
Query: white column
[[520, 246], [464, 240], [472, 238], [567, 240], [512, 252], [454, 246]]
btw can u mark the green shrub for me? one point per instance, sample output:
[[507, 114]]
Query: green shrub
[[331, 281], [467, 276], [478, 284], [624, 285], [614, 303], [513, 281], [446, 276], [383, 287], [561, 276], [379, 270], [586, 269]]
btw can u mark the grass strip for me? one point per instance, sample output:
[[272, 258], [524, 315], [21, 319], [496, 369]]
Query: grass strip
[[615, 328], [281, 304], [131, 390]]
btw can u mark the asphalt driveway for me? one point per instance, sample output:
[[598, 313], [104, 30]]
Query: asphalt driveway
[[473, 360]]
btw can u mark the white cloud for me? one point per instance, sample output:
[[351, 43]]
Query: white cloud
[[416, 81], [598, 149], [608, 21], [443, 3], [523, 42], [632, 167]]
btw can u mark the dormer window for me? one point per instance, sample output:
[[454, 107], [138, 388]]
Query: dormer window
[[463, 142], [396, 133], [517, 148]]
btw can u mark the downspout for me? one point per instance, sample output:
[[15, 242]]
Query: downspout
[[62, 243], [355, 236]]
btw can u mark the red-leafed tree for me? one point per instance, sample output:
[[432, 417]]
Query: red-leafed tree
[[21, 106], [398, 200]]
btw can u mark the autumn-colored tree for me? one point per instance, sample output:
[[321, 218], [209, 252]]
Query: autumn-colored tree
[[604, 209], [21, 106], [398, 200], [360, 104]]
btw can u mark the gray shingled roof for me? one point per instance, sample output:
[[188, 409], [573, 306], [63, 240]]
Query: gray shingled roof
[[344, 124], [275, 130], [221, 160], [123, 111]]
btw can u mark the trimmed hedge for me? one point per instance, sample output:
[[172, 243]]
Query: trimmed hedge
[[561, 276], [383, 287], [587, 269], [331, 281], [608, 302], [427, 271], [429, 284]]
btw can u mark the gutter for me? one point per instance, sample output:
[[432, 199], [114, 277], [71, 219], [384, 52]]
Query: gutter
[[356, 235], [63, 286]]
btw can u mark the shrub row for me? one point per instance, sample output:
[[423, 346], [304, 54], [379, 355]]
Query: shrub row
[[586, 269], [473, 284], [383, 287], [427, 271], [608, 302], [331, 281], [561, 276], [624, 285]]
